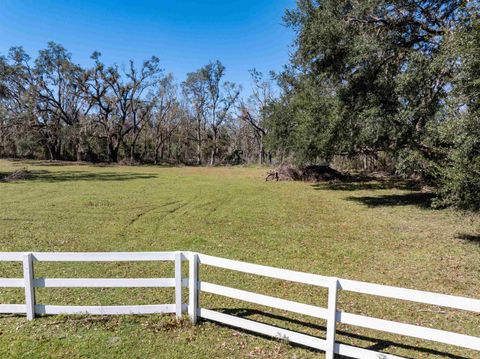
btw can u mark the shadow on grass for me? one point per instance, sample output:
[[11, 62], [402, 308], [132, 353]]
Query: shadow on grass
[[48, 163], [59, 163], [419, 199], [474, 238], [379, 344], [4, 174], [69, 176], [367, 184]]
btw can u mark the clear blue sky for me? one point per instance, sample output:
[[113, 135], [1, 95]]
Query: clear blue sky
[[184, 34]]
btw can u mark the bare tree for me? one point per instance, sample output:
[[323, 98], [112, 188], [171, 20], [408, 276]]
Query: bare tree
[[117, 102], [141, 99], [220, 101], [59, 94], [252, 111], [196, 96], [166, 117], [50, 93]]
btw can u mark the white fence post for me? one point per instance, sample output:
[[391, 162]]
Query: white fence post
[[332, 318], [193, 288], [29, 289], [178, 285], [331, 314]]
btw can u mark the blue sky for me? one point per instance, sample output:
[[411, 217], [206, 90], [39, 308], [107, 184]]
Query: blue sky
[[184, 34]]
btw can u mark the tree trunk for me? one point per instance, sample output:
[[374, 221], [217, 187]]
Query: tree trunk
[[199, 142], [113, 150], [156, 156], [261, 153], [114, 154], [214, 149], [134, 145], [54, 149], [79, 152], [50, 152], [132, 152]]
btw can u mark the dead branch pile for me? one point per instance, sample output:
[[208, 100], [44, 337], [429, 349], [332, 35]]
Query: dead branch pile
[[316, 173], [17, 176]]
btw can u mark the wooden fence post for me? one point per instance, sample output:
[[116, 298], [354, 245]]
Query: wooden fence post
[[193, 287], [178, 285], [29, 289], [332, 318]]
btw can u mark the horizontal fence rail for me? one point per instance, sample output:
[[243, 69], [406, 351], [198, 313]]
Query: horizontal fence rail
[[195, 286]]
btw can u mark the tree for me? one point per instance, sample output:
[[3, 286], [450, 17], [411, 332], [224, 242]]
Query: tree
[[370, 75], [55, 82], [118, 102], [460, 176], [253, 111], [220, 101], [166, 117], [195, 92], [45, 98]]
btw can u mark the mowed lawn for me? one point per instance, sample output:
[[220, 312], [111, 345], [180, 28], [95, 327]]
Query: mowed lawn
[[363, 231]]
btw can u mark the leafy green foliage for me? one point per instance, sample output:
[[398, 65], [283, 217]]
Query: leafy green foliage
[[460, 184], [374, 76]]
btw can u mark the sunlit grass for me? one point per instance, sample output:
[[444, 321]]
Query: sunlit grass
[[356, 231]]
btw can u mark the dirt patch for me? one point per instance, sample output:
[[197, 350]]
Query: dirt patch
[[18, 175], [316, 173]]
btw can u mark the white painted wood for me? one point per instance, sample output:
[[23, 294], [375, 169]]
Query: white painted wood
[[410, 330], [285, 274], [367, 288], [360, 353], [264, 329], [29, 289], [193, 288], [332, 318], [104, 282], [13, 308], [178, 284], [103, 256], [105, 310], [265, 300], [411, 295], [12, 282], [11, 256], [348, 285]]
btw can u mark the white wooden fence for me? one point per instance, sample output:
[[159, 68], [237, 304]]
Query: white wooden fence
[[331, 314]]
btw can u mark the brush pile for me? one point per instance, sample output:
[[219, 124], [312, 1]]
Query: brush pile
[[18, 175], [315, 173]]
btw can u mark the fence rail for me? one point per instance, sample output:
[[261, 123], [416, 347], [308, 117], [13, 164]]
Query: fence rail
[[195, 286]]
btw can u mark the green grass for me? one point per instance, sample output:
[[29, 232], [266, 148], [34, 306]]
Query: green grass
[[362, 231]]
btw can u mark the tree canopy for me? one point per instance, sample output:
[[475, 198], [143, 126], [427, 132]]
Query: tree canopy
[[398, 77]]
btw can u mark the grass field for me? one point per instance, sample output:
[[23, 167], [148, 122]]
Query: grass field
[[363, 231]]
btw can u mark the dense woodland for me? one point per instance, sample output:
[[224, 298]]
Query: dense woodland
[[394, 82]]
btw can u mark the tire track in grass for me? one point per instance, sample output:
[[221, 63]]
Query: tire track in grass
[[218, 204], [149, 210], [173, 211]]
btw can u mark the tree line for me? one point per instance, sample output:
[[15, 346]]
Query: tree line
[[52, 108]]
